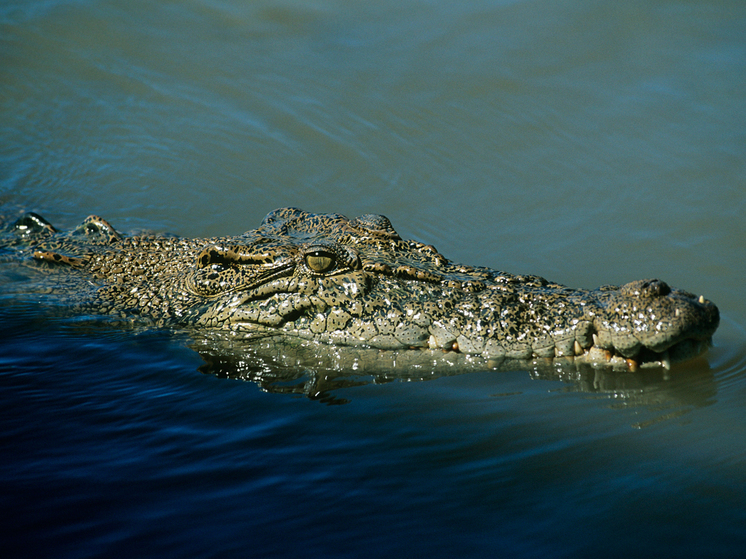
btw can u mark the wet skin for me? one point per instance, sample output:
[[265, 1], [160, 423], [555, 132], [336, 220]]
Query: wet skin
[[355, 282]]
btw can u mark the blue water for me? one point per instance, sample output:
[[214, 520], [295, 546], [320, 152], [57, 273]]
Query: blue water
[[127, 449], [583, 141]]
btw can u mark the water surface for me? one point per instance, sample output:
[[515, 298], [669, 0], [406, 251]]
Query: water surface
[[583, 141]]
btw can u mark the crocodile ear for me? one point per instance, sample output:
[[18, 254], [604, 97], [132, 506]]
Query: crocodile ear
[[213, 255], [57, 258], [207, 256]]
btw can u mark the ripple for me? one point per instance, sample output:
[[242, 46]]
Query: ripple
[[728, 356]]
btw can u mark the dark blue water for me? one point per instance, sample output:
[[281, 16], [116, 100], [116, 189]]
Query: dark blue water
[[114, 443], [583, 141]]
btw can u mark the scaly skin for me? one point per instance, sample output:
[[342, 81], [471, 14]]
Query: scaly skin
[[357, 283]]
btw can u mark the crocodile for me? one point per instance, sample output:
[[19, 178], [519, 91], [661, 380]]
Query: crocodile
[[355, 282]]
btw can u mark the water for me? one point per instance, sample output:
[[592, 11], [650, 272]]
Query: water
[[583, 141]]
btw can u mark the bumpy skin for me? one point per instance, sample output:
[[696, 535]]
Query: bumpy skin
[[357, 283]]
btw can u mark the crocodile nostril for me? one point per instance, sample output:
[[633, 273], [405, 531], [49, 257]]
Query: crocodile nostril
[[656, 288]]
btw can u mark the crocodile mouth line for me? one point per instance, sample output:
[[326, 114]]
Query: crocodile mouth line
[[646, 357]]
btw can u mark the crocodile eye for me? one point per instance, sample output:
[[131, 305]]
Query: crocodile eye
[[320, 262]]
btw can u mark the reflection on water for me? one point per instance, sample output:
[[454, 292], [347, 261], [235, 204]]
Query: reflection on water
[[320, 372]]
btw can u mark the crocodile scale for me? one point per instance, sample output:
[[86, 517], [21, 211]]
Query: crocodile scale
[[356, 282]]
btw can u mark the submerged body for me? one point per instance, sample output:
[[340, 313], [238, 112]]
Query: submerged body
[[355, 282]]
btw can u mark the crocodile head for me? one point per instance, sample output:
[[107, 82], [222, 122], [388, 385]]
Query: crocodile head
[[356, 282]]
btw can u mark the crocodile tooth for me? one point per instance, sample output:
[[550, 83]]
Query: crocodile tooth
[[633, 365], [577, 348], [666, 360], [702, 299], [595, 340]]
